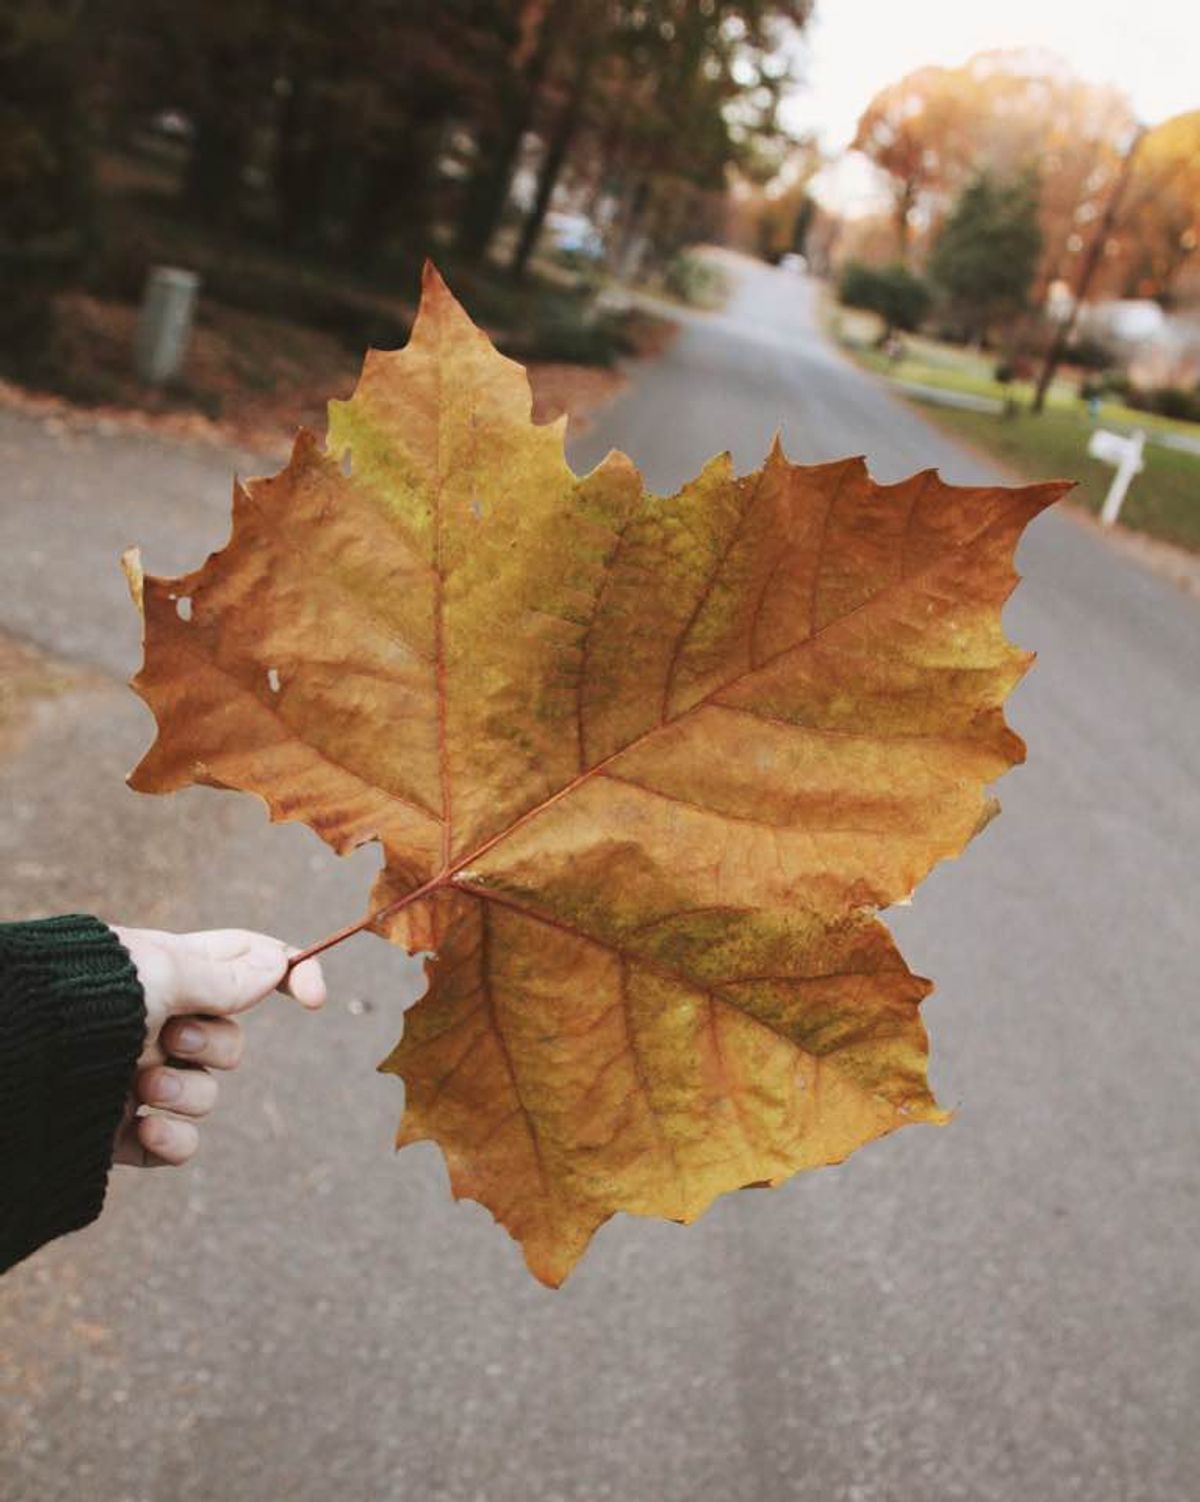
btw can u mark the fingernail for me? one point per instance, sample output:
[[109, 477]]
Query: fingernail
[[189, 1039], [167, 1087]]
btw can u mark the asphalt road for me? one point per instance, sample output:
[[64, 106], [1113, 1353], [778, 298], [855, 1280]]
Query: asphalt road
[[1004, 1309]]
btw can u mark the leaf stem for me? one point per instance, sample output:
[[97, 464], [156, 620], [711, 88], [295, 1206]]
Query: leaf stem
[[327, 943], [363, 923]]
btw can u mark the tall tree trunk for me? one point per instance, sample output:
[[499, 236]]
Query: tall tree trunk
[[487, 191], [629, 238], [391, 180], [1086, 272], [48, 227], [212, 188], [904, 204], [557, 149], [296, 209], [213, 180], [394, 197]]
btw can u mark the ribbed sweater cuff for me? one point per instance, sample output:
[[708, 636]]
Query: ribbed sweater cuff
[[73, 1023]]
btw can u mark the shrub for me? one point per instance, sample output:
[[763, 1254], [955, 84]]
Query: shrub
[[1167, 401], [1013, 368], [695, 280], [894, 292], [1090, 353], [572, 340], [1109, 384]]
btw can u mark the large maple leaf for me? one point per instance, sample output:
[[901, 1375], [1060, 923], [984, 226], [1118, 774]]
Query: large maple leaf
[[643, 770]]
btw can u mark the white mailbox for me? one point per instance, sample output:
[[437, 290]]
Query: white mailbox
[[1126, 454]]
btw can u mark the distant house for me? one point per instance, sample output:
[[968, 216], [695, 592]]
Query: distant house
[[1156, 348]]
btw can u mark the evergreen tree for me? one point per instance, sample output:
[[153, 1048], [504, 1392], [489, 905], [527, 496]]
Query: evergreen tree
[[986, 255]]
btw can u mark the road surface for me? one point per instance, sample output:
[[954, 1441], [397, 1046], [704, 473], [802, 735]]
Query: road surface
[[1001, 1311]]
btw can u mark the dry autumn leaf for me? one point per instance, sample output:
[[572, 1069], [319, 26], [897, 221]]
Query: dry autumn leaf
[[643, 770]]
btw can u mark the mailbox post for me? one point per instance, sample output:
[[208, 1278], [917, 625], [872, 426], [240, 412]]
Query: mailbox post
[[1126, 454]]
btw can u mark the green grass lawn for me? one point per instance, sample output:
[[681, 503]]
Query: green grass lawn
[[928, 362], [1164, 500]]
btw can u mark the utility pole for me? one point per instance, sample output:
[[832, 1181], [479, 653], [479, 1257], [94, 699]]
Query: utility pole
[[1086, 271]]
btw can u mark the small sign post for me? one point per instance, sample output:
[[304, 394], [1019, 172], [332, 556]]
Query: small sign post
[[1126, 454], [165, 323]]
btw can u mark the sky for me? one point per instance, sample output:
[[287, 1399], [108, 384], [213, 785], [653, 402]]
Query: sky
[[1150, 48]]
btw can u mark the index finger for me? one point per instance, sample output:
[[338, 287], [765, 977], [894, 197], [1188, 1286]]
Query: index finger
[[226, 970]]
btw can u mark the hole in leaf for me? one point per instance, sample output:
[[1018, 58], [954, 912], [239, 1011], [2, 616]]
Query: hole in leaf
[[183, 607], [347, 464], [273, 679]]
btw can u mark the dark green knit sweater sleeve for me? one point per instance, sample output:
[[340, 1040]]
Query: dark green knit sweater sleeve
[[72, 1020]]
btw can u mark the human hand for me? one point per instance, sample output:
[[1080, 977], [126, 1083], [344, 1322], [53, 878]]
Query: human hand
[[193, 985]]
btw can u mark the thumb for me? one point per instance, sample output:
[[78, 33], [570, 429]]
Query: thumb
[[223, 971]]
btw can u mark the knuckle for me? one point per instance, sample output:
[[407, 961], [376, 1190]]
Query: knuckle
[[204, 1091], [161, 1083], [233, 1046], [186, 1036], [217, 1042], [191, 1092], [226, 1046]]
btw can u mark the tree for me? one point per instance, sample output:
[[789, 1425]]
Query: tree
[[539, 37], [341, 107], [986, 254], [1087, 270], [557, 147], [47, 223], [374, 88], [656, 100], [775, 219], [1157, 232], [915, 131], [363, 129], [1004, 112], [899, 297]]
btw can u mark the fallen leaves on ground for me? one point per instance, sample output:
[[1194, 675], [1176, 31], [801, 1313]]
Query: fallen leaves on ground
[[248, 380]]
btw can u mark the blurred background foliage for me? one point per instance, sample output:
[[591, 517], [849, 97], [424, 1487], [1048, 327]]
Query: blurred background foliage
[[305, 157], [1018, 189]]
